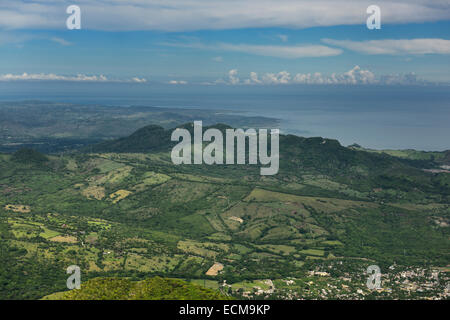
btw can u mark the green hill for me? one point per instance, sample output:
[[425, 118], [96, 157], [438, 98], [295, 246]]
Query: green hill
[[29, 156], [150, 138], [146, 139], [135, 214], [300, 156], [315, 153], [150, 289]]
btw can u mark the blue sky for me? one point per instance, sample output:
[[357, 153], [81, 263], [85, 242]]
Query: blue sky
[[230, 42]]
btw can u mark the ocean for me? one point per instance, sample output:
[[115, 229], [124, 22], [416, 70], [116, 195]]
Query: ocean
[[379, 117]]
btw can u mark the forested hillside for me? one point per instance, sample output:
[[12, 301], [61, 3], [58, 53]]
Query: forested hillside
[[127, 211]]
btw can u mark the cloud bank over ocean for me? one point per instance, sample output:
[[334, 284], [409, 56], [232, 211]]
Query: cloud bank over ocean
[[54, 77], [355, 76]]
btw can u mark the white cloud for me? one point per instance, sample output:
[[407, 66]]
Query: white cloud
[[290, 52], [138, 80], [410, 78], [54, 77], [50, 77], [254, 78], [355, 76], [232, 76], [187, 15], [394, 47], [177, 82], [61, 41], [282, 77]]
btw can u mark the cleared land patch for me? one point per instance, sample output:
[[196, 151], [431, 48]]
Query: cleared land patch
[[119, 195], [68, 239], [94, 192], [326, 205], [215, 269], [205, 249], [18, 208], [236, 219], [150, 179]]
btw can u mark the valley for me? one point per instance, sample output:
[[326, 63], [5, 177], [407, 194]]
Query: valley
[[309, 232]]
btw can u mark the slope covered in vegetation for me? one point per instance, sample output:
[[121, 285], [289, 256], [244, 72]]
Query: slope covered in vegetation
[[135, 214], [156, 288]]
